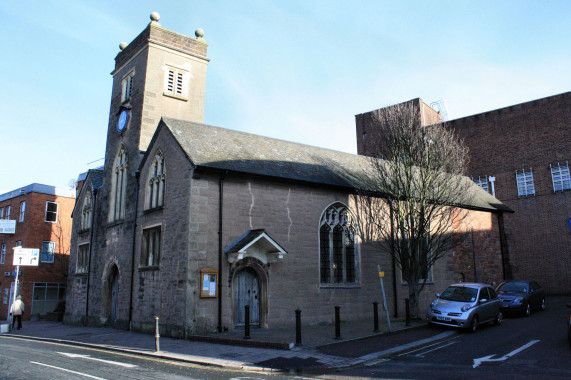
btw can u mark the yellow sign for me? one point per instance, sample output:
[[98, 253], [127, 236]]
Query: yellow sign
[[381, 274]]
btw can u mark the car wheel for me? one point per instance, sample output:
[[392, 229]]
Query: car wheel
[[474, 323], [527, 311], [499, 318], [543, 305]]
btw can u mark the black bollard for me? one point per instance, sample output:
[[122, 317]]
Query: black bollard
[[376, 316], [407, 310], [337, 323], [298, 327], [247, 322]]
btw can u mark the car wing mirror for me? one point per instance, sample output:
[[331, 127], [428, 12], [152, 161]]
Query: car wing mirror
[[483, 300], [437, 295]]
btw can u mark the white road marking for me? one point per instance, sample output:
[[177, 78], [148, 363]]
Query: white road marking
[[434, 349], [424, 347], [488, 358], [70, 371], [96, 359]]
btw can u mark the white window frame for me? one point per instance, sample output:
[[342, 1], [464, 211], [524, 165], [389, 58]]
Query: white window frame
[[52, 212], [44, 299], [482, 182], [1, 212], [51, 250], [561, 177], [8, 212], [127, 87], [22, 211], [524, 181]]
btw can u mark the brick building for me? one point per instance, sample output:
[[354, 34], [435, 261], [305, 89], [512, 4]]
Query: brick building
[[191, 222], [36, 216], [521, 155]]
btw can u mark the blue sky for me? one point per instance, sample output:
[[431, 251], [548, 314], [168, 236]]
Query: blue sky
[[294, 70]]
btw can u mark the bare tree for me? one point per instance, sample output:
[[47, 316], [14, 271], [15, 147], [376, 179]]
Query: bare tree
[[409, 205]]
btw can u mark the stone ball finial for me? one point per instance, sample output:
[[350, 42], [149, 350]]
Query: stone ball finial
[[155, 16], [122, 45], [199, 33]]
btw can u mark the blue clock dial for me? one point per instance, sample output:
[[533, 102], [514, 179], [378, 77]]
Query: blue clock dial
[[122, 121]]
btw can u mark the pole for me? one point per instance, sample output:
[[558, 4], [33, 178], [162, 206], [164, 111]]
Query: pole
[[157, 335], [381, 275]]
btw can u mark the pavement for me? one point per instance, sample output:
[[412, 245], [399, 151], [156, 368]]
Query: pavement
[[267, 350]]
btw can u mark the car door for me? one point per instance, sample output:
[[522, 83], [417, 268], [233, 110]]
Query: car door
[[495, 303], [484, 304]]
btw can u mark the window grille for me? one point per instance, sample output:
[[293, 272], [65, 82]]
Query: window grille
[[560, 176], [47, 297], [175, 82], [525, 183], [482, 182]]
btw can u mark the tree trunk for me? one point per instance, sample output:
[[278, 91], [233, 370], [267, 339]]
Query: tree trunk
[[413, 296]]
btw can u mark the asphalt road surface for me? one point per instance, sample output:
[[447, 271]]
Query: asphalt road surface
[[535, 347], [28, 359]]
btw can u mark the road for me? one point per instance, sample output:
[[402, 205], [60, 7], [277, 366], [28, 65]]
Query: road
[[27, 359], [521, 348]]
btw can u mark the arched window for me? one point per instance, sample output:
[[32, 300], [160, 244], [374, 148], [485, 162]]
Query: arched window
[[338, 255], [118, 186], [87, 210], [156, 182]]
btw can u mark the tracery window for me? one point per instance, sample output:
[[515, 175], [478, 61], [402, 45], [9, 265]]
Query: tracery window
[[118, 186], [156, 182], [338, 256]]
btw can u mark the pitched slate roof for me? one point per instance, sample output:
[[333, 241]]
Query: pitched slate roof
[[223, 149]]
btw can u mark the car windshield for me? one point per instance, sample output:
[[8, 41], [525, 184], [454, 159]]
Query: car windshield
[[514, 287], [460, 294]]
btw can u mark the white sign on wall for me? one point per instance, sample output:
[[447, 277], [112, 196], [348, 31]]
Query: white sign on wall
[[26, 256], [7, 226]]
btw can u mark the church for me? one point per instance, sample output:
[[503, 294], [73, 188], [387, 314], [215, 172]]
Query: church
[[192, 223]]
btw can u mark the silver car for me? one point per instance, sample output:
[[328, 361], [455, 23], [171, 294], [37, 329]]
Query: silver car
[[466, 305]]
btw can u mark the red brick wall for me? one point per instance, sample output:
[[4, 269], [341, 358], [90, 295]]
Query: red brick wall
[[32, 232]]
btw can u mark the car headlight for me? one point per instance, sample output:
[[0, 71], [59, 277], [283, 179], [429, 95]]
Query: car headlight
[[465, 308], [518, 299]]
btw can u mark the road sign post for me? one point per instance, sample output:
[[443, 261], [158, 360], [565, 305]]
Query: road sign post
[[381, 275], [22, 257]]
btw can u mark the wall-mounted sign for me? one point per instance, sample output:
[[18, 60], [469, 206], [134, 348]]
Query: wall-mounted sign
[[209, 282], [7, 226]]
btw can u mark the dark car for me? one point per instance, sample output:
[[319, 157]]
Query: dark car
[[465, 305], [521, 296]]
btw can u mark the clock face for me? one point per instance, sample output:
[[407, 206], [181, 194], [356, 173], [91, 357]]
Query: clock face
[[122, 121]]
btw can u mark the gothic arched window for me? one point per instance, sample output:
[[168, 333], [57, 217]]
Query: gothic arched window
[[156, 182], [338, 254], [118, 186]]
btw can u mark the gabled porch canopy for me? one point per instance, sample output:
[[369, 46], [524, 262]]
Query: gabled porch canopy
[[255, 243]]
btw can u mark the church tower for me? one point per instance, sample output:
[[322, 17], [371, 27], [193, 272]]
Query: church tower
[[160, 73]]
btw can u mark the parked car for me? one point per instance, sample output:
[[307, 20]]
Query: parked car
[[466, 305], [521, 296], [569, 325]]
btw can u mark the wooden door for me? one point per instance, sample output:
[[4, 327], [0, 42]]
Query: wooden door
[[246, 292]]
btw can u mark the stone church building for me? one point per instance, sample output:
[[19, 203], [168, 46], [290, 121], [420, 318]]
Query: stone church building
[[191, 222]]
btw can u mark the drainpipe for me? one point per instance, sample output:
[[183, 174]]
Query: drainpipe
[[492, 180], [220, 256], [89, 258], [137, 174], [507, 270]]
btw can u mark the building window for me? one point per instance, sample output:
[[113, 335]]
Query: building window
[[48, 297], [561, 177], [19, 243], [22, 210], [51, 212], [3, 253], [86, 211], [175, 82], [8, 210], [482, 182], [524, 183], [82, 259], [48, 251], [156, 185], [127, 87], [118, 186], [338, 254], [151, 247], [2, 213]]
